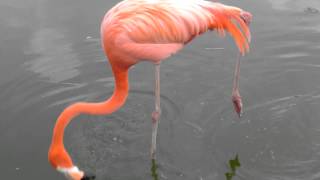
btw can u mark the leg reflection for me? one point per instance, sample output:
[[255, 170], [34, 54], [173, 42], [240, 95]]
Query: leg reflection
[[154, 168]]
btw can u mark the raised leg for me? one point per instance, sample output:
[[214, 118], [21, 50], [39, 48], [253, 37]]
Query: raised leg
[[156, 113], [236, 98]]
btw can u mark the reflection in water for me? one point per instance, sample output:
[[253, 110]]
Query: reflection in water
[[54, 58], [154, 168], [233, 165]]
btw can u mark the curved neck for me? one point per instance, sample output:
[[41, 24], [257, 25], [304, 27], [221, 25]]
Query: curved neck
[[57, 151]]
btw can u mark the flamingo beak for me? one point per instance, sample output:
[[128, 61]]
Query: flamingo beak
[[88, 177], [75, 174], [237, 104]]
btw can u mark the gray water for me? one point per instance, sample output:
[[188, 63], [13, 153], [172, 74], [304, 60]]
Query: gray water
[[50, 57]]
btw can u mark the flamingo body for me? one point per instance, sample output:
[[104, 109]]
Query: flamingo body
[[151, 30], [154, 29]]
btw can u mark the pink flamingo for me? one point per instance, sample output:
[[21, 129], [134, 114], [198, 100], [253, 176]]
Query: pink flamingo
[[150, 30]]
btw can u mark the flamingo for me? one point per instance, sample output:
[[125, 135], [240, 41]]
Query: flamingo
[[150, 30]]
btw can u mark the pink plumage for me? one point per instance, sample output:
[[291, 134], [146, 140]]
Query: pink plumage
[[152, 30]]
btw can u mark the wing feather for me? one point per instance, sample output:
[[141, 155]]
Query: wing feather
[[175, 21]]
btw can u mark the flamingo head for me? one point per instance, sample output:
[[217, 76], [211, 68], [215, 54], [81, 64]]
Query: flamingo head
[[74, 173], [61, 161], [246, 17], [237, 103]]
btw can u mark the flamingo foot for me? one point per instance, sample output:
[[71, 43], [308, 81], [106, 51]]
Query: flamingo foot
[[237, 104], [155, 122]]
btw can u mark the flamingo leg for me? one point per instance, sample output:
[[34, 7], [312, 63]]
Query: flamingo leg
[[236, 98], [156, 113]]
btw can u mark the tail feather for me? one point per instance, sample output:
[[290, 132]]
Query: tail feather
[[228, 18], [244, 27], [238, 36]]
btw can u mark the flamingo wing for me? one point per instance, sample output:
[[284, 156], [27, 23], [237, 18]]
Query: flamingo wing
[[153, 30]]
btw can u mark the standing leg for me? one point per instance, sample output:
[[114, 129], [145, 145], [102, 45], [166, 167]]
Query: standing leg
[[236, 98], [156, 113]]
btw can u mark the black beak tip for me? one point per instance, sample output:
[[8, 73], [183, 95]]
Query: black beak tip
[[88, 176]]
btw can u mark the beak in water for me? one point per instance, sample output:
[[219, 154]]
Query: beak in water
[[88, 177], [75, 174], [237, 104]]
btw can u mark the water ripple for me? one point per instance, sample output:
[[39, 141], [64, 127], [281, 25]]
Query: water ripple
[[277, 141], [122, 137], [56, 60]]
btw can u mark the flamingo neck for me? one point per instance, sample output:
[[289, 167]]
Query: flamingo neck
[[58, 156]]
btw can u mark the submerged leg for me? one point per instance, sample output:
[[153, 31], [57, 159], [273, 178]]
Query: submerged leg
[[156, 113], [236, 98]]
